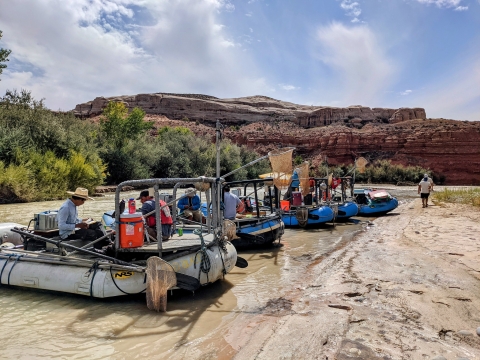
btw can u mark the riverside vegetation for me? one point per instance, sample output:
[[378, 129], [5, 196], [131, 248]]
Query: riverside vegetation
[[45, 153], [469, 196]]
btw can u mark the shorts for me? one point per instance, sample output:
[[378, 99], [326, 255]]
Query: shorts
[[166, 231], [424, 195], [197, 214]]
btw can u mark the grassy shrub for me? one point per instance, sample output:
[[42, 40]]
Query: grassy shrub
[[36, 176], [382, 171], [459, 196]]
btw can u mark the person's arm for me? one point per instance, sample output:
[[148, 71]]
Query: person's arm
[[183, 203], [196, 202], [419, 188]]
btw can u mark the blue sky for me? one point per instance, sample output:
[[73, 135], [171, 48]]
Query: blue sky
[[375, 53]]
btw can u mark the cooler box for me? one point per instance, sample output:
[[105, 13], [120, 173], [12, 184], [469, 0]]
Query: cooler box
[[131, 230], [296, 198]]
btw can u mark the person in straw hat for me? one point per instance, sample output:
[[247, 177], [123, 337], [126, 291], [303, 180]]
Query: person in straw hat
[[190, 205], [70, 226]]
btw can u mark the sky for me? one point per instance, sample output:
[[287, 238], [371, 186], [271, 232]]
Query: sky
[[375, 53]]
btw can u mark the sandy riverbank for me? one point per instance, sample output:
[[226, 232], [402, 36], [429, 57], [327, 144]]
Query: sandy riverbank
[[408, 287]]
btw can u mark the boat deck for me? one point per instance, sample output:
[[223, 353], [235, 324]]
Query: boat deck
[[184, 242]]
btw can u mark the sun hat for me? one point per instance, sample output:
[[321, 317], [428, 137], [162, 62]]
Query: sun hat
[[81, 193], [190, 192], [425, 175], [143, 193]]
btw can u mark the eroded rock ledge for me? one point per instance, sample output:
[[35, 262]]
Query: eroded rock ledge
[[251, 109]]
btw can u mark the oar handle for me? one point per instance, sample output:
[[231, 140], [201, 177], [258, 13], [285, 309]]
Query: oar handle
[[58, 243]]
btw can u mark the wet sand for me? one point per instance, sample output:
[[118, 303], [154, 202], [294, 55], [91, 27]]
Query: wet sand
[[407, 287]]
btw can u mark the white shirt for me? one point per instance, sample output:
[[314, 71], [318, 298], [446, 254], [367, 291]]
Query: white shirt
[[425, 186]]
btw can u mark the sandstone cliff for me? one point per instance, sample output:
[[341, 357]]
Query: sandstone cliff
[[237, 111], [404, 136]]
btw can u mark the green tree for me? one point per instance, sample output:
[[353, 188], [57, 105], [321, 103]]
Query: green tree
[[3, 56], [119, 126]]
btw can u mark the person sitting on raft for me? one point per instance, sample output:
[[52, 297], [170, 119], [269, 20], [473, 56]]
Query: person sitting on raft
[[190, 206], [148, 205], [71, 227]]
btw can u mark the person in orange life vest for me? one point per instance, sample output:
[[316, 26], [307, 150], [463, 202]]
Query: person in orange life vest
[[148, 205]]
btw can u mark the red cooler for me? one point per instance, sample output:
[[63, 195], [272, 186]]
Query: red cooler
[[131, 230], [296, 198]]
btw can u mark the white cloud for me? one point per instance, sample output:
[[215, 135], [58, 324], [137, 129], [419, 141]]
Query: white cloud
[[442, 3], [461, 8], [81, 49], [288, 87], [406, 92], [352, 9], [357, 57]]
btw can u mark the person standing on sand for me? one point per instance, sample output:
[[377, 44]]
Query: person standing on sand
[[424, 188], [429, 180]]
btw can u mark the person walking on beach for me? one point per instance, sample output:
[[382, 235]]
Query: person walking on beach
[[429, 180], [424, 188]]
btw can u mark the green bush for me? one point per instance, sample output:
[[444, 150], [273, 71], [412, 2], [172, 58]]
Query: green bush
[[382, 171]]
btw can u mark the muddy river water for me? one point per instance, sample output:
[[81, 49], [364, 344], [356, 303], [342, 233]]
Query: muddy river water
[[41, 324]]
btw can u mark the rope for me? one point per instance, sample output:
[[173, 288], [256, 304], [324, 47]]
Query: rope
[[126, 293], [16, 260], [3, 268], [205, 264], [302, 216], [94, 268]]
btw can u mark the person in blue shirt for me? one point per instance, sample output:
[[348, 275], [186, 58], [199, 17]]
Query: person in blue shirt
[[70, 226], [189, 206], [295, 184]]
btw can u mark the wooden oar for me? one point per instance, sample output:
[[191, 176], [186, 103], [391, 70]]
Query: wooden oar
[[160, 277]]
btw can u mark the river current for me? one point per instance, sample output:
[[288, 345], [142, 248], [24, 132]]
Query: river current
[[42, 324]]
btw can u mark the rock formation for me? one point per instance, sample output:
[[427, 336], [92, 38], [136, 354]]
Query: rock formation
[[238, 111], [404, 136]]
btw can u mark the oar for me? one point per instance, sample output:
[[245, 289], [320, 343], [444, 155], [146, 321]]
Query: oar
[[65, 244], [187, 282], [241, 262], [251, 238], [160, 278]]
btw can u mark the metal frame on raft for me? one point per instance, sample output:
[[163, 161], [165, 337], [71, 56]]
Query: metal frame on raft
[[213, 191]]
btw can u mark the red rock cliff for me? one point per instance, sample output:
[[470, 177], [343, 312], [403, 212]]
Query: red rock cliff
[[208, 109]]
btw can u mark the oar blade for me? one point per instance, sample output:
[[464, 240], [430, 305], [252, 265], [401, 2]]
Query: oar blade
[[241, 262], [160, 278], [187, 282]]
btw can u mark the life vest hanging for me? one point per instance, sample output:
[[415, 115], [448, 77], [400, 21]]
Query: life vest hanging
[[324, 196]]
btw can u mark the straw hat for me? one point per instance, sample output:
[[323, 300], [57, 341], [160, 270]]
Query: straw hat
[[190, 192], [80, 193]]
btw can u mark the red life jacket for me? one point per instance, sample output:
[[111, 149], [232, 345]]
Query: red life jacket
[[165, 216], [336, 182]]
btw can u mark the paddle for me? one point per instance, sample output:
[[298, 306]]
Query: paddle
[[160, 278], [187, 282], [241, 262]]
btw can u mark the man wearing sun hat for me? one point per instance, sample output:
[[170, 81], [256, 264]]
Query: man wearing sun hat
[[190, 205], [68, 221]]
